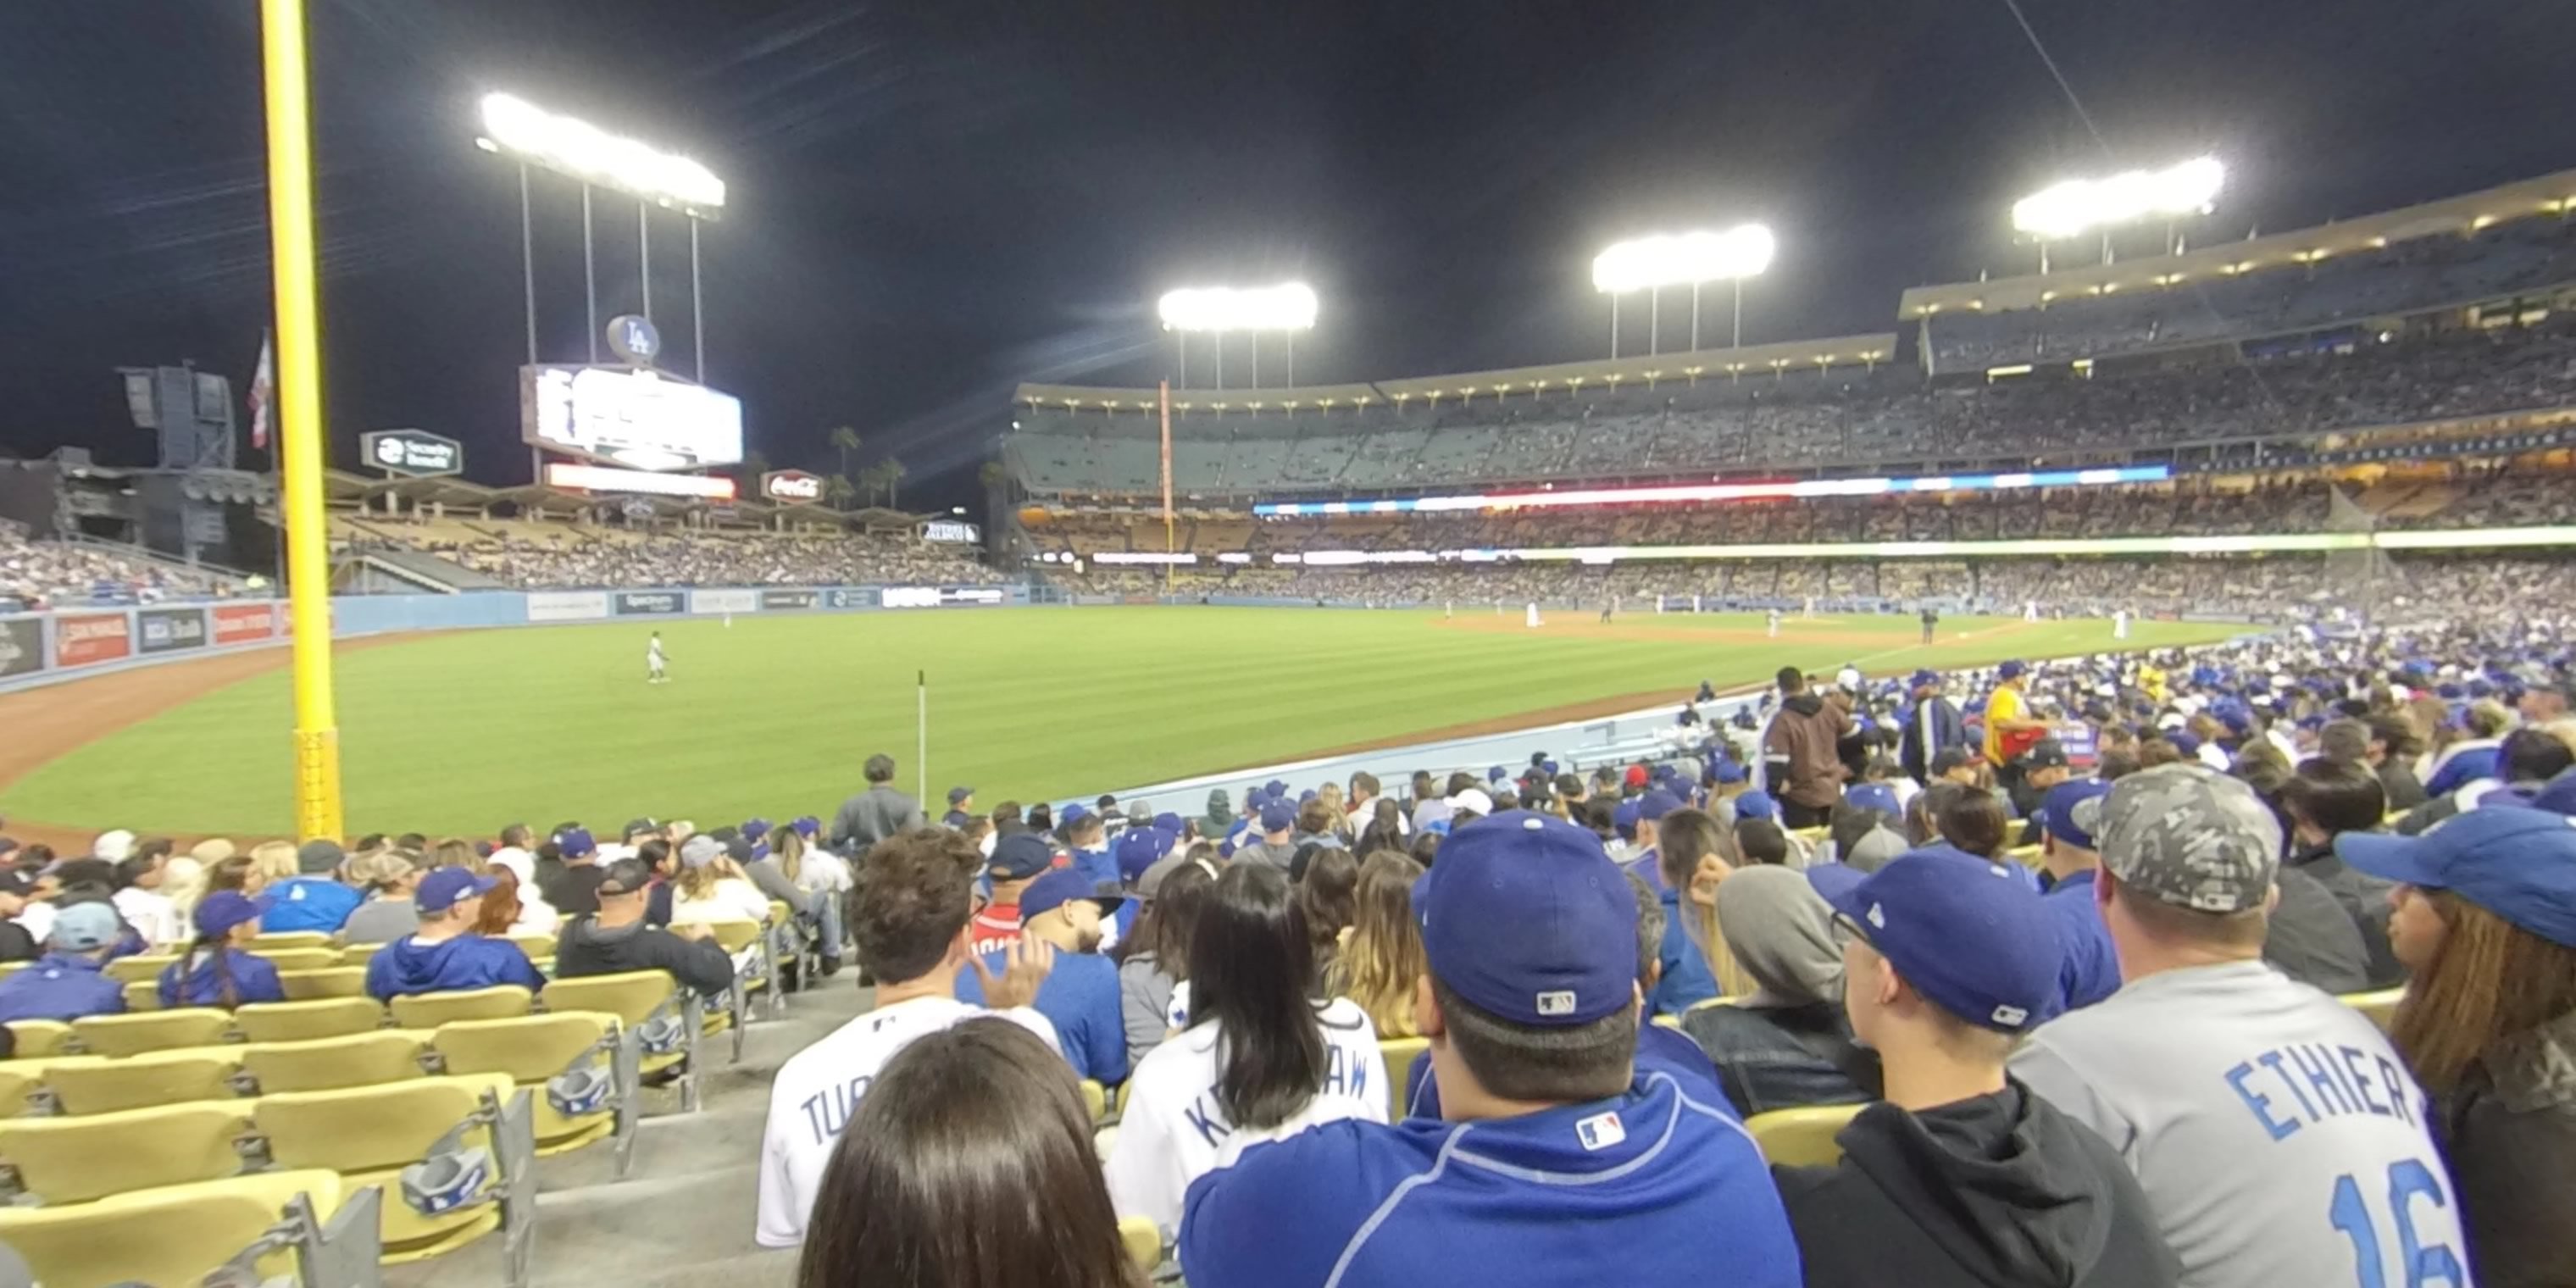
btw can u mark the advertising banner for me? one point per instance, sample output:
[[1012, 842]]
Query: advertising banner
[[943, 596], [850, 597], [567, 605], [724, 601], [777, 600], [168, 630], [246, 623], [90, 638], [22, 647], [631, 603]]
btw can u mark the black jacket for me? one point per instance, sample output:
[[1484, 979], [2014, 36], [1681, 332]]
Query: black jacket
[[2404, 791], [587, 949], [571, 889], [2365, 899], [16, 945], [1999, 1191], [1783, 1057], [1948, 730]]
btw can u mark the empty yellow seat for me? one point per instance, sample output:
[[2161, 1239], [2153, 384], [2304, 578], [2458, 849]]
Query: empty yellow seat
[[534, 1050], [1802, 1137], [1143, 1241], [77, 1160], [429, 1010], [635, 997], [173, 1235], [128, 970], [40, 1037], [279, 939], [336, 981], [327, 1017], [367, 1059], [189, 1026], [143, 995], [19, 1078], [1399, 1053], [299, 958], [370, 1134], [359, 954], [98, 1085], [2381, 1006]]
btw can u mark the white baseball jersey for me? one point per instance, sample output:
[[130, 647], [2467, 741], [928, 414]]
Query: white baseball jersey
[[1174, 1131], [2278, 1136], [817, 1091], [653, 655]]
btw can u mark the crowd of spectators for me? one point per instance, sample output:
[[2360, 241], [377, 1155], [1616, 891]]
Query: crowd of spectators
[[1885, 417], [531, 557], [57, 574]]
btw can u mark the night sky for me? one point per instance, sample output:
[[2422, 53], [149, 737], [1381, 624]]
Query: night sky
[[930, 202]]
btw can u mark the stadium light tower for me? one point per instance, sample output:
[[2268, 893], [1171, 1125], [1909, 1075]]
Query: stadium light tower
[[2079, 206], [595, 158], [1287, 308], [1681, 259]]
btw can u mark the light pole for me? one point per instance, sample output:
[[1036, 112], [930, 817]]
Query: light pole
[[1286, 308], [1681, 259], [2078, 206]]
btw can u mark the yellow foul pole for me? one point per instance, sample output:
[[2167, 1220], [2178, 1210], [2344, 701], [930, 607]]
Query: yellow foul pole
[[299, 420]]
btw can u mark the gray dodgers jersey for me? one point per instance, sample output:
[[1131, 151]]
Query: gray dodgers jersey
[[2279, 1136]]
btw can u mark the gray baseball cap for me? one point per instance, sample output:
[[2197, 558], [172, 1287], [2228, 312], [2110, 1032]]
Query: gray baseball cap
[[2190, 836]]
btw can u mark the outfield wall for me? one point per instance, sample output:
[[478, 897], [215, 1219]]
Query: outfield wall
[[71, 643]]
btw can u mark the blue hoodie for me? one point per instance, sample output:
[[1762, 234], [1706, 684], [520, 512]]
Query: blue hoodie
[[254, 980], [60, 986], [308, 903], [407, 966], [1666, 1180]]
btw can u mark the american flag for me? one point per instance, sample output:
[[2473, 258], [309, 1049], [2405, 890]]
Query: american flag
[[263, 390]]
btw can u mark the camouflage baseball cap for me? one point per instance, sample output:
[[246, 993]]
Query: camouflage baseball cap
[[2190, 836]]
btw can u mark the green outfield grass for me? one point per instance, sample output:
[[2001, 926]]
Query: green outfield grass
[[465, 731]]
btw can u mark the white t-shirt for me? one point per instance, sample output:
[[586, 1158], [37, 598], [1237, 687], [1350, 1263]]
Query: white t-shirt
[[818, 1089], [731, 899], [1174, 1132], [2278, 1136], [653, 654], [152, 915]]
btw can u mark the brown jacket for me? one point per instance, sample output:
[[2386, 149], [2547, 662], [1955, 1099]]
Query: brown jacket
[[1804, 732]]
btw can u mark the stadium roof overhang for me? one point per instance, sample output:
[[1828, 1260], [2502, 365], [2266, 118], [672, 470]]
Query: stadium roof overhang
[[2552, 194], [1702, 364]]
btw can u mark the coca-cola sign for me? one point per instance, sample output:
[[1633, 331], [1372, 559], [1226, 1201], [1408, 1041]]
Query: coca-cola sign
[[791, 487]]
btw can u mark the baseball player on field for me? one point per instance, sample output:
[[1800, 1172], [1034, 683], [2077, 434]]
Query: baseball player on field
[[654, 661], [1545, 1110]]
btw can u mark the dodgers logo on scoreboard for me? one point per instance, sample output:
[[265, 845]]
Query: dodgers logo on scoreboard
[[634, 339]]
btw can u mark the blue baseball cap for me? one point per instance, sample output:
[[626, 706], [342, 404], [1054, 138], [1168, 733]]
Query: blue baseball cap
[[1571, 955], [1757, 804], [1137, 849], [2012, 670], [2187, 744], [1834, 880], [1072, 814], [2558, 796], [807, 826], [958, 795], [755, 828], [1278, 816], [1623, 818], [1923, 677], [1496, 774], [2519, 864], [444, 887], [2066, 815], [1967, 935], [1060, 887], [1652, 806], [1877, 796], [1728, 772], [575, 842], [86, 927], [1274, 789], [225, 909], [1168, 822], [1019, 856]]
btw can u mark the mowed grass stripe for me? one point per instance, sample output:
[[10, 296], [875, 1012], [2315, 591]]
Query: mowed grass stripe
[[462, 732]]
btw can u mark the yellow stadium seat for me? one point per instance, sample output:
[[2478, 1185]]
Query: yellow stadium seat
[[76, 1160], [1802, 1137], [178, 1234], [188, 1026], [429, 1010], [1668, 1021], [330, 1064], [1399, 1054], [1143, 1241], [279, 939], [2381, 1006], [143, 995], [1707, 1002], [539, 948], [97, 1085], [535, 1050], [1095, 1101], [2026, 855], [329, 1017], [128, 970], [311, 985], [18, 1080], [636, 998], [8, 969], [370, 1134], [40, 1037], [299, 958], [759, 977], [358, 954]]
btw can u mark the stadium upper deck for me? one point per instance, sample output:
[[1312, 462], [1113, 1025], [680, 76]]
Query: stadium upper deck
[[2434, 313]]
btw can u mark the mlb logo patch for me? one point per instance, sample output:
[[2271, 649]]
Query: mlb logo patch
[[1600, 1131], [1560, 1002], [2010, 1017]]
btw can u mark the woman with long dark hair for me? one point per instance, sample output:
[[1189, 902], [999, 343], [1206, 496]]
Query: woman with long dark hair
[[218, 969], [1257, 1058], [968, 1164], [1326, 896], [1155, 957]]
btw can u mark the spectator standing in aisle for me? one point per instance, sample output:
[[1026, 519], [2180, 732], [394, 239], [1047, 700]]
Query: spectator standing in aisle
[[1545, 1109], [2276, 1133], [876, 814], [1805, 773], [1933, 728], [1961, 1176]]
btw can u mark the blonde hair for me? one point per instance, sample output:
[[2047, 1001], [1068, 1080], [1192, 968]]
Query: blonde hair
[[455, 853], [788, 846], [1378, 966], [274, 860], [700, 882], [212, 850], [2490, 981]]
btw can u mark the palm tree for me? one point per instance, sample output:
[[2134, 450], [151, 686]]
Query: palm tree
[[845, 440], [836, 492], [894, 473]]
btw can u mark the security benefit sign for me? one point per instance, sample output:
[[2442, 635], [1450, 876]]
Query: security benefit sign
[[168, 630], [85, 639], [792, 487], [414, 452]]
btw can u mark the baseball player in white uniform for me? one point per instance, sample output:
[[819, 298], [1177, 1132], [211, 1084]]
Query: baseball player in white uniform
[[1772, 623], [2120, 624], [654, 661]]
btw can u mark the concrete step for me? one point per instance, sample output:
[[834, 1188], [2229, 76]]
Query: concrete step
[[677, 1145], [678, 1230]]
